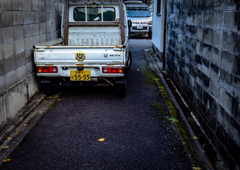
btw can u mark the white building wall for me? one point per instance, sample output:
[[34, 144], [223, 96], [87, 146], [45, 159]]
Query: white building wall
[[157, 35]]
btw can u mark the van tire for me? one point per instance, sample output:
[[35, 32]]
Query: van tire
[[48, 89], [129, 62], [150, 35]]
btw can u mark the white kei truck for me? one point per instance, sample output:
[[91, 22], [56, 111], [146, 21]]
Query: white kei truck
[[93, 49]]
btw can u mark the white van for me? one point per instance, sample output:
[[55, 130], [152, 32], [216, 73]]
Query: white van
[[141, 18]]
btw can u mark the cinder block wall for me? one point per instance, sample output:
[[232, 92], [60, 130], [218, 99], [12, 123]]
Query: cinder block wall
[[23, 23], [203, 57]]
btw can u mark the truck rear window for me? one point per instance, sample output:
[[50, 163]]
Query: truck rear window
[[79, 14], [108, 14], [94, 14]]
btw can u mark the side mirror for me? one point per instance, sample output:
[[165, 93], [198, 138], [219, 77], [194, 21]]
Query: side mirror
[[129, 23]]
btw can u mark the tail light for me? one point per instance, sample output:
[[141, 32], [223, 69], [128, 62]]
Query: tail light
[[47, 69], [112, 70]]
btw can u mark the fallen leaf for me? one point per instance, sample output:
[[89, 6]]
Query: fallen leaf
[[192, 113], [5, 147], [17, 131], [25, 125], [50, 97], [203, 151], [20, 127], [44, 100], [196, 168], [9, 138], [195, 138], [210, 166], [101, 139], [6, 160], [59, 99]]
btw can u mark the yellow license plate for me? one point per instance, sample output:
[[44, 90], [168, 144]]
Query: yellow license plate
[[84, 75]]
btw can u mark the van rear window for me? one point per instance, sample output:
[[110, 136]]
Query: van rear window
[[94, 14], [138, 12]]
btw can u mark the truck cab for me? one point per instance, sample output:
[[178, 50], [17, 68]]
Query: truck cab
[[141, 18]]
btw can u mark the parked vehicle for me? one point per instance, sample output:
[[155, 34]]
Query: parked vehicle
[[141, 18], [93, 50]]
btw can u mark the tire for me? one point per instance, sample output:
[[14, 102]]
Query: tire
[[121, 89], [150, 35], [48, 89], [129, 62]]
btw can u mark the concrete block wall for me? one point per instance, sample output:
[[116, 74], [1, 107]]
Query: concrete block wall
[[203, 57], [23, 23]]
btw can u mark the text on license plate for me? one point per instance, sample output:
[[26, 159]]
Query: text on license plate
[[84, 75], [139, 27]]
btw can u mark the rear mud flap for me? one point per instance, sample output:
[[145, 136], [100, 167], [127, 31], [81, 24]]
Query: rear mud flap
[[45, 81], [120, 80]]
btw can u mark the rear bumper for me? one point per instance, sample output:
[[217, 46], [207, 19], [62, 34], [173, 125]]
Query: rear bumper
[[101, 81], [96, 71], [145, 29]]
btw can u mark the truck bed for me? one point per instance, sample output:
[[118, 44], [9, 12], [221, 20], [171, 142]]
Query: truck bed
[[54, 54]]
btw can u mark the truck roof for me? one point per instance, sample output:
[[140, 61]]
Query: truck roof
[[91, 1], [136, 5], [130, 1]]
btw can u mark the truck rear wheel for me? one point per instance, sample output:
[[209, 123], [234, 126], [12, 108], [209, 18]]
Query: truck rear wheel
[[48, 89], [129, 62], [121, 89]]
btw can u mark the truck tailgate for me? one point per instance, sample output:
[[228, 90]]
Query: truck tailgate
[[66, 55], [95, 58]]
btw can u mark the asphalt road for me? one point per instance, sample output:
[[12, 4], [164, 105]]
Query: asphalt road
[[67, 137]]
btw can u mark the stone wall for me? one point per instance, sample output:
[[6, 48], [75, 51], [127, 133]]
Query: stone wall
[[23, 23], [203, 57]]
